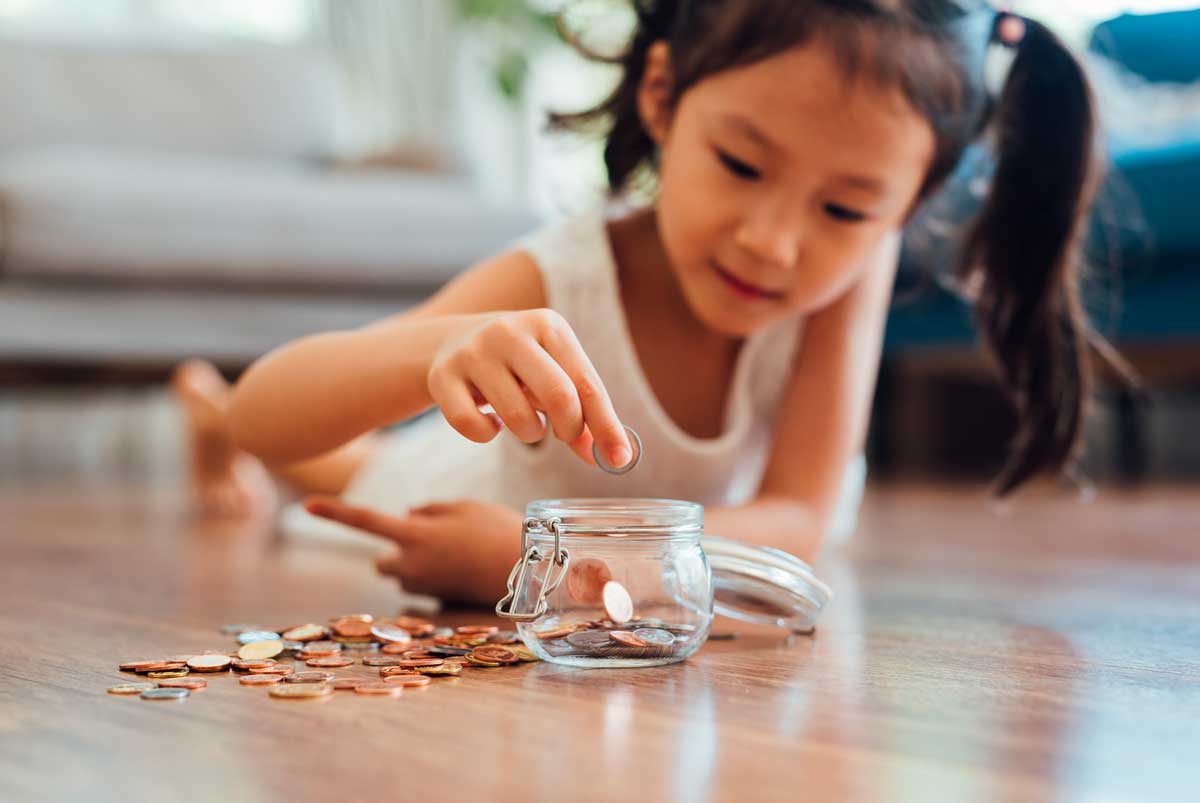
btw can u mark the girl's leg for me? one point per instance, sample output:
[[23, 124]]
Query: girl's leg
[[229, 482]]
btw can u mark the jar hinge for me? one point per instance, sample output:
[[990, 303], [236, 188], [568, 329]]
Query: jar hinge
[[530, 555]]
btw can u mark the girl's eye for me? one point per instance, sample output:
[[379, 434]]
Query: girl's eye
[[844, 214], [738, 167]]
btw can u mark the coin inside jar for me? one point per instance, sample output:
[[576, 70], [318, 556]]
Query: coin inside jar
[[617, 602], [586, 579], [654, 637], [635, 443]]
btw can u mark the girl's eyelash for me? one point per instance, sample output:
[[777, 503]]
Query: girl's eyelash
[[738, 167], [844, 214]]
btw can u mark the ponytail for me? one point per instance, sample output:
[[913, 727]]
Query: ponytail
[[628, 148], [1021, 256]]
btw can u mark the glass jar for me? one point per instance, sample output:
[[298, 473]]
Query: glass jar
[[627, 582]]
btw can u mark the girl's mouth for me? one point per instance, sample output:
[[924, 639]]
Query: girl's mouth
[[743, 289]]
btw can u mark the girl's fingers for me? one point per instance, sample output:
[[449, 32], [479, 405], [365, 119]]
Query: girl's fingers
[[394, 528], [500, 388], [552, 390], [392, 564], [582, 446], [598, 413], [459, 403]]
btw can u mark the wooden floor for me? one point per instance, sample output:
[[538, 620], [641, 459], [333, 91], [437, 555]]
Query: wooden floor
[[1048, 653]]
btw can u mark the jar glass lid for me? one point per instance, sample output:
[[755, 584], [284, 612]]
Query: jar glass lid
[[764, 585]]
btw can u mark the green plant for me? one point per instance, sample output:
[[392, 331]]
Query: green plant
[[517, 25]]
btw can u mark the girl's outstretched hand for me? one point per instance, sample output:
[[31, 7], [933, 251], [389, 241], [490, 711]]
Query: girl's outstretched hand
[[459, 551], [522, 363]]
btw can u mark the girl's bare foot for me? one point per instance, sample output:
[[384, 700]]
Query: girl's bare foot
[[225, 480]]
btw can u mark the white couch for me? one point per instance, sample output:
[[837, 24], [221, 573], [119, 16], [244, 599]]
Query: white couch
[[147, 171]]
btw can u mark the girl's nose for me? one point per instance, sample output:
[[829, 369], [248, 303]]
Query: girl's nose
[[771, 237]]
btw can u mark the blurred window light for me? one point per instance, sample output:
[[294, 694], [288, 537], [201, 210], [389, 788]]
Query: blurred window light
[[270, 20]]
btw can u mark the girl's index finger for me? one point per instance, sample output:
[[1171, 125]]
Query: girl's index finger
[[598, 413], [394, 528]]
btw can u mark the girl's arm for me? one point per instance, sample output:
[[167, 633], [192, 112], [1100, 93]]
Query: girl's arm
[[822, 419], [317, 393]]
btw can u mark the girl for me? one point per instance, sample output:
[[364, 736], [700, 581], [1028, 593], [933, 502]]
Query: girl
[[736, 322]]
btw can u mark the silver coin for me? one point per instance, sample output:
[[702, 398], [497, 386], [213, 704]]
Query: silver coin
[[251, 636], [391, 634], [233, 630], [654, 636], [635, 442], [165, 694], [589, 639]]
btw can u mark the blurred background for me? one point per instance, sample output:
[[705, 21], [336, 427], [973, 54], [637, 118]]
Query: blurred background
[[210, 179]]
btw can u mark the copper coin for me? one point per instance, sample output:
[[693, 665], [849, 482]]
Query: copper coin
[[434, 671], [260, 650], [473, 661], [309, 632], [379, 689], [192, 684], [351, 627], [260, 680], [415, 625], [168, 673], [557, 632], [346, 684], [158, 666], [131, 688], [381, 660], [586, 579], [626, 638], [138, 666], [301, 691], [476, 630], [309, 677], [277, 669], [496, 653], [395, 648], [331, 662], [253, 663], [407, 681], [617, 602], [412, 663], [209, 663]]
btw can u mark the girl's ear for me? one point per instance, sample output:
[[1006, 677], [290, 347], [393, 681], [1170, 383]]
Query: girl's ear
[[654, 95]]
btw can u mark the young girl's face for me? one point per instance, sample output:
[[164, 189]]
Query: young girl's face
[[777, 182]]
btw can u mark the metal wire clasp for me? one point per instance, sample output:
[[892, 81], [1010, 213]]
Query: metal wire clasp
[[530, 554]]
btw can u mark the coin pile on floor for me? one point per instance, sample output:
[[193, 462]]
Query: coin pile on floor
[[406, 652]]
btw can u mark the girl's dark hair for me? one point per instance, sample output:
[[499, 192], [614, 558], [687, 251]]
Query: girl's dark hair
[[1020, 259]]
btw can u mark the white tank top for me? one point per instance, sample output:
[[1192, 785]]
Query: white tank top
[[579, 274], [429, 461]]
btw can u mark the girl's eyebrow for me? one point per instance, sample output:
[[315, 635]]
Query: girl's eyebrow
[[751, 131]]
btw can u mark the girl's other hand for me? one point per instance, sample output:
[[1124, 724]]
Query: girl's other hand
[[522, 363], [459, 551]]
